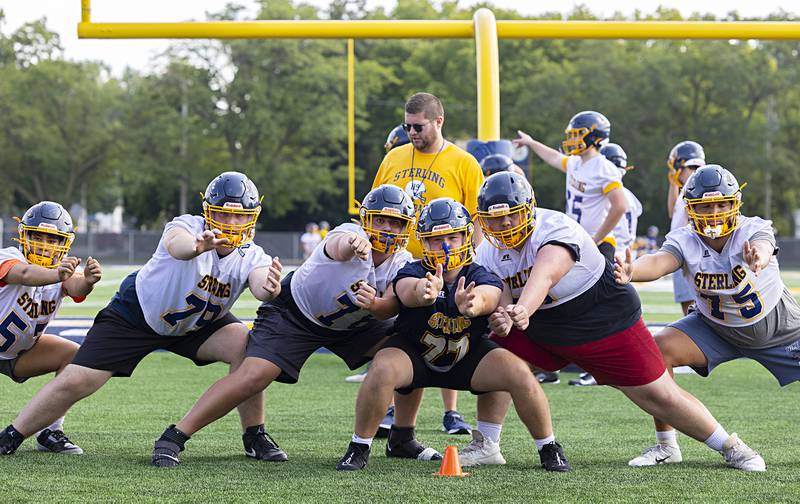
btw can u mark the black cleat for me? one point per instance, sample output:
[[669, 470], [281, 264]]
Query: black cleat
[[165, 454], [55, 441], [260, 446], [411, 449], [10, 439], [553, 459], [355, 458], [548, 378]]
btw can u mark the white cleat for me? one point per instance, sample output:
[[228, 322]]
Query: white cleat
[[740, 456], [481, 451], [657, 455]]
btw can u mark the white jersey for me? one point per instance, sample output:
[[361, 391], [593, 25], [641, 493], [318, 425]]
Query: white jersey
[[725, 289], [679, 216], [514, 267], [324, 289], [625, 230], [587, 186], [177, 296], [24, 311]]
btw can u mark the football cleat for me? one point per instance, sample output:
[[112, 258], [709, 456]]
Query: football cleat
[[409, 448], [10, 440], [165, 454], [357, 378], [656, 455], [55, 441], [453, 423], [740, 456], [355, 458], [386, 423], [261, 446], [584, 380], [481, 451], [548, 378], [552, 457]]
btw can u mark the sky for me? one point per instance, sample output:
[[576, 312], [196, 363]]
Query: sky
[[63, 16]]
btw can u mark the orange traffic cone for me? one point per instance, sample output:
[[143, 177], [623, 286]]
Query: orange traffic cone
[[451, 465]]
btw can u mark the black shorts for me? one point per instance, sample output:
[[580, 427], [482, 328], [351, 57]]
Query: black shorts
[[459, 377], [284, 336], [114, 344], [7, 368], [608, 251]]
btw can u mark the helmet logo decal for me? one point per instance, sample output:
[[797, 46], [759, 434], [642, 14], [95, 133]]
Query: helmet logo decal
[[499, 207], [47, 225], [441, 227], [390, 210], [712, 194], [231, 204]]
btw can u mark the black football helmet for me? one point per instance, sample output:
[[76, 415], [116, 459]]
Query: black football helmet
[[387, 201], [228, 196], [506, 193], [686, 154], [494, 163], [46, 233], [616, 154], [586, 129], [396, 138], [713, 184], [444, 216]]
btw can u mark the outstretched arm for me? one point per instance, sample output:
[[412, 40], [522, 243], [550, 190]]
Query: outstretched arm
[[646, 268], [545, 153]]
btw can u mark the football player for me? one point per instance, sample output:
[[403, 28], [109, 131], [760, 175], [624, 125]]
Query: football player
[[684, 159], [396, 138], [34, 279], [743, 307], [494, 163], [340, 298], [562, 305], [439, 339], [179, 301]]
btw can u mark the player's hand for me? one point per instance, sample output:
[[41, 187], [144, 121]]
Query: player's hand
[[465, 298], [360, 246], [523, 139], [672, 176], [272, 282], [365, 295], [752, 256], [433, 284], [67, 268], [207, 240], [623, 268], [92, 272], [519, 316], [500, 322]]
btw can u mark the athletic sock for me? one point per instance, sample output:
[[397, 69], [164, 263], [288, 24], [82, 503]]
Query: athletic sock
[[717, 438], [174, 435], [541, 442], [361, 440], [669, 438], [490, 430]]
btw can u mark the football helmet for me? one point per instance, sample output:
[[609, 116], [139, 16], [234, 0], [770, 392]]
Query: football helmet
[[507, 193], [45, 234], [586, 129], [494, 163], [387, 201], [616, 154], [232, 196], [444, 216], [713, 184], [396, 138], [686, 154]]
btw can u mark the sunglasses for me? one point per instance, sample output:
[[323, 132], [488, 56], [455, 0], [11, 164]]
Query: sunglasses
[[417, 127]]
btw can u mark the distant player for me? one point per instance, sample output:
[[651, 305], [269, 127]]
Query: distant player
[[439, 339], [34, 279], [397, 137], [743, 307], [564, 306], [494, 163], [684, 159], [179, 301], [341, 299]]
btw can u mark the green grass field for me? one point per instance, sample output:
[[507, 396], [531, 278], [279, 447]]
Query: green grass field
[[313, 420]]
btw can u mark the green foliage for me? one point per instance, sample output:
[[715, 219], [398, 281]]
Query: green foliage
[[276, 109]]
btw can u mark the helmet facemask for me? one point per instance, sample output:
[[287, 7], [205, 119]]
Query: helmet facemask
[[717, 224], [40, 252], [449, 257], [576, 142], [237, 234], [513, 236], [386, 242]]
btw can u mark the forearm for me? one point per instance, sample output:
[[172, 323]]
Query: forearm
[[672, 197], [31, 275], [181, 245], [78, 286], [384, 308], [610, 222], [548, 155], [338, 248], [534, 293], [650, 267]]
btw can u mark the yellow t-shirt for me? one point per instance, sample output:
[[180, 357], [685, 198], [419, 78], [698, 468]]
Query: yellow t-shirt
[[455, 173]]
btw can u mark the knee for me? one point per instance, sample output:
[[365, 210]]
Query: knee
[[254, 377], [77, 383]]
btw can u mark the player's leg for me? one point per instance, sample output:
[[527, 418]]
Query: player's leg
[[391, 369], [49, 354], [499, 369], [484, 449]]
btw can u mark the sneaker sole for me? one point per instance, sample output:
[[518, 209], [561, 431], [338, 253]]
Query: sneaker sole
[[458, 431], [473, 463], [72, 451]]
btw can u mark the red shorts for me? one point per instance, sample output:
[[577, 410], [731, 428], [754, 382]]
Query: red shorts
[[627, 358]]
